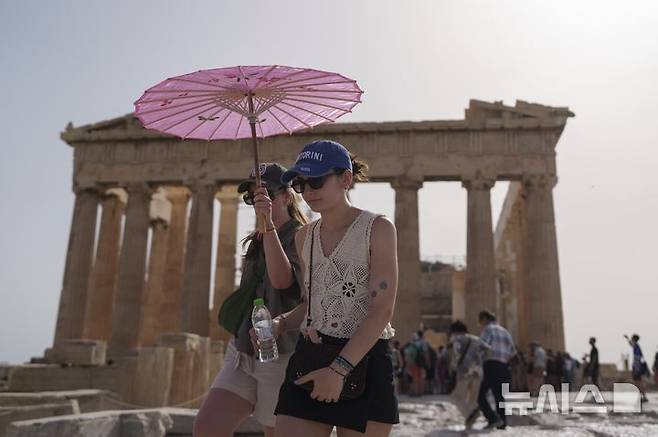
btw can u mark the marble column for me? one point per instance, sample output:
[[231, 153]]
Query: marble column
[[195, 298], [407, 315], [173, 275], [480, 286], [78, 265], [129, 294], [544, 297], [150, 327], [98, 314], [225, 263]]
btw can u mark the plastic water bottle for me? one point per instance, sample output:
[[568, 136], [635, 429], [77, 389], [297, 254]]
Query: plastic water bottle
[[262, 321]]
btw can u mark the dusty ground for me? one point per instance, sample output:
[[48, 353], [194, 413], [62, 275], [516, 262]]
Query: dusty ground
[[435, 416]]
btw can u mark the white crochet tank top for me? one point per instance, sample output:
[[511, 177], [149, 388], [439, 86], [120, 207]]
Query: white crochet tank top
[[340, 296]]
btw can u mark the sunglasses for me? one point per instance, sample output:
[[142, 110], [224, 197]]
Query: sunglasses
[[248, 197], [299, 184]]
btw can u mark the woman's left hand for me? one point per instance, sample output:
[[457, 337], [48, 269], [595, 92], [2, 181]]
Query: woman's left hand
[[327, 384], [263, 205]]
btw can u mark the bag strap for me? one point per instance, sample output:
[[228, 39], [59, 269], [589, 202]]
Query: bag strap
[[463, 355], [310, 277]]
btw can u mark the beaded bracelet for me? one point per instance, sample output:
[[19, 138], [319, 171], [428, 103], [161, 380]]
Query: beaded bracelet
[[344, 364]]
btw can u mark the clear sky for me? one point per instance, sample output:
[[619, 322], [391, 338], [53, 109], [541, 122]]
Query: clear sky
[[86, 61]]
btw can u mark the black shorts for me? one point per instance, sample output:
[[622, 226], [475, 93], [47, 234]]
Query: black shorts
[[379, 403]]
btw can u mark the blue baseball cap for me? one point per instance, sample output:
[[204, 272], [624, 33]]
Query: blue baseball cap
[[318, 159]]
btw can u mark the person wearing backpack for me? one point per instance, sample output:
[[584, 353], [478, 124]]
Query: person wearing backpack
[[415, 358]]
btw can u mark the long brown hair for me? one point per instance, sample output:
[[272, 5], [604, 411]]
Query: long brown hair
[[252, 243]]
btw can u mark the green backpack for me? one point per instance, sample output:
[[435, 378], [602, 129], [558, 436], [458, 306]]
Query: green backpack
[[239, 304]]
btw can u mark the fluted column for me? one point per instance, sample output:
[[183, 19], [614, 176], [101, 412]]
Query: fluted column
[[544, 297], [225, 263], [480, 286], [150, 327], [129, 294], [160, 214], [173, 276], [100, 302], [406, 319], [196, 276], [78, 264]]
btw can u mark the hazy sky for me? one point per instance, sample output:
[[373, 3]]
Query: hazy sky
[[86, 61]]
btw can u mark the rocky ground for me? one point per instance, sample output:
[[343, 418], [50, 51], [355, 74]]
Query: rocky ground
[[429, 416], [435, 416]]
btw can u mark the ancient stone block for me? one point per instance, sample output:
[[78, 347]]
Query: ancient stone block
[[29, 412], [201, 372], [185, 348], [79, 352], [133, 423], [153, 376], [88, 400]]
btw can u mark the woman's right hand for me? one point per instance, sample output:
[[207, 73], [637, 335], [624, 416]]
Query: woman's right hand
[[276, 331]]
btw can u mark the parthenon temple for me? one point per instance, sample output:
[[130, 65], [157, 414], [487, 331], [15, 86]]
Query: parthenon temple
[[145, 269]]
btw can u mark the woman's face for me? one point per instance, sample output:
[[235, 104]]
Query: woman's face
[[331, 194], [282, 199]]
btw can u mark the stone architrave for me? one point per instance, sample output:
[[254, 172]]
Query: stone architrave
[[129, 295], [77, 270], [195, 299], [226, 245], [98, 313], [544, 297], [407, 315], [480, 285], [173, 275]]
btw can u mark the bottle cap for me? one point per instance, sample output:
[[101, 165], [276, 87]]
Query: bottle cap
[[259, 301]]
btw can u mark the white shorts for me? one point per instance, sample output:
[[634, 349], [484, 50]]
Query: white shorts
[[256, 382]]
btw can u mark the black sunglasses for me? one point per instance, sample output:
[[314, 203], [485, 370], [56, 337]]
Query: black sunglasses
[[299, 184], [248, 197]]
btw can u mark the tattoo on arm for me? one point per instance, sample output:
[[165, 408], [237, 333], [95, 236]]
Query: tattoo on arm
[[382, 286]]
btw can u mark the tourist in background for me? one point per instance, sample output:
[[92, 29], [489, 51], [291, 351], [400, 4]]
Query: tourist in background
[[640, 369], [536, 368], [655, 369], [414, 358], [398, 364], [592, 367], [496, 370], [554, 370], [467, 353], [442, 369], [245, 386], [430, 371], [570, 367], [519, 366]]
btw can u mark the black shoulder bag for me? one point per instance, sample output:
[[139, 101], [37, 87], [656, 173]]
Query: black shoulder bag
[[311, 356]]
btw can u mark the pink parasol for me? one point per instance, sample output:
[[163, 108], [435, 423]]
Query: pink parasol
[[246, 101]]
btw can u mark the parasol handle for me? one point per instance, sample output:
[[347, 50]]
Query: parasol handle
[[260, 218]]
